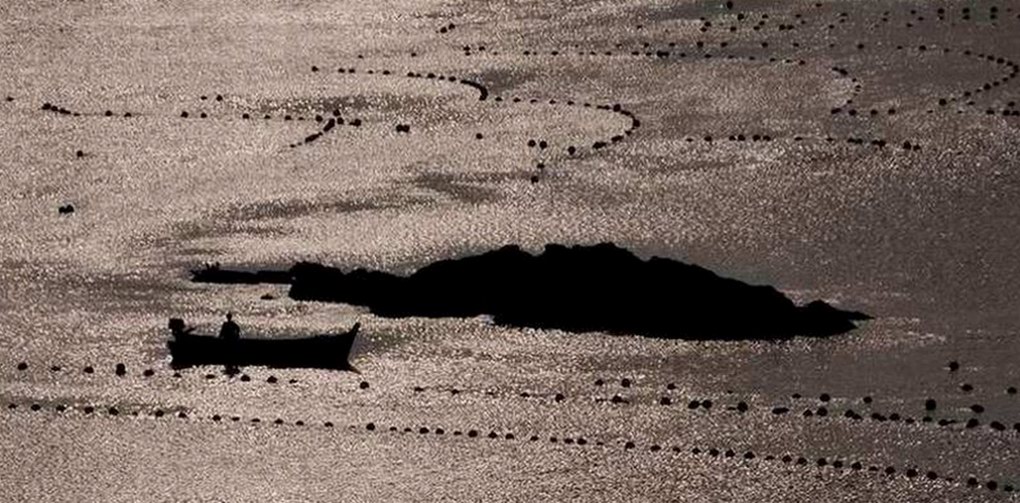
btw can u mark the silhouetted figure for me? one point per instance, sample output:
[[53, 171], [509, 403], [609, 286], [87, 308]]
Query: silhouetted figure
[[177, 328], [229, 330]]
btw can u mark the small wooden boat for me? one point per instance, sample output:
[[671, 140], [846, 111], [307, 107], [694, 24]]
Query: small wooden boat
[[322, 351]]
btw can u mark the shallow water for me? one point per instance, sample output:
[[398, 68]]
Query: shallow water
[[924, 240]]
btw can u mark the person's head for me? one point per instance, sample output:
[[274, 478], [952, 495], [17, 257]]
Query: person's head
[[230, 316]]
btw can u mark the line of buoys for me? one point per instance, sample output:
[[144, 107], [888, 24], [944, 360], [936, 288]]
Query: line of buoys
[[911, 472]]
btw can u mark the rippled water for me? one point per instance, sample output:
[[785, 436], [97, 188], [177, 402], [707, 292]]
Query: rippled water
[[922, 239]]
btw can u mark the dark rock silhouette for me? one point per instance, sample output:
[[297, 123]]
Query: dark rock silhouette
[[577, 289]]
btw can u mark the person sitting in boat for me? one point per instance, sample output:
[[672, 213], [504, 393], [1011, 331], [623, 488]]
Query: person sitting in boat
[[229, 330], [177, 327]]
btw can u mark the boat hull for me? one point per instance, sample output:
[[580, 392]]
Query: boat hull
[[321, 352]]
